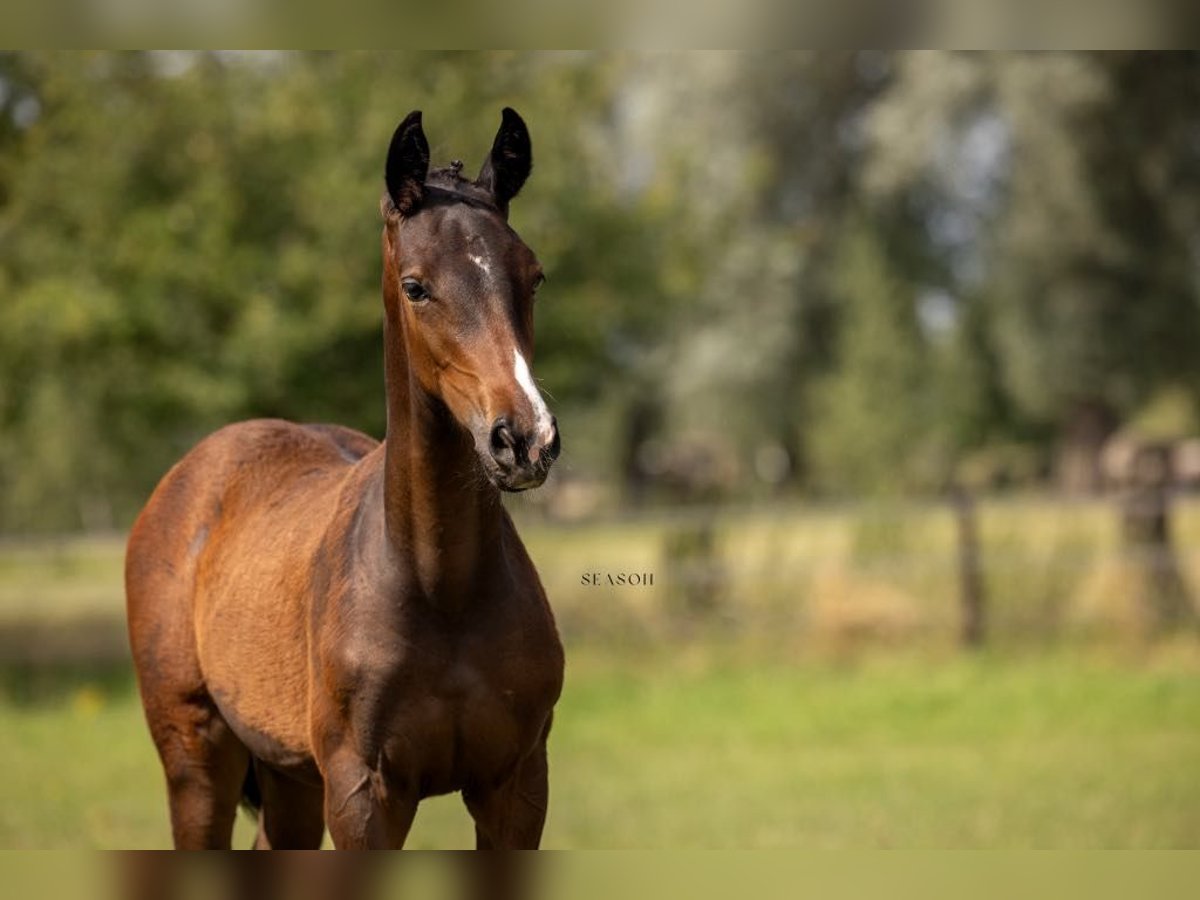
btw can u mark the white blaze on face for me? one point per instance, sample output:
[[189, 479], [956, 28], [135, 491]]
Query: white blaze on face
[[480, 261], [543, 420]]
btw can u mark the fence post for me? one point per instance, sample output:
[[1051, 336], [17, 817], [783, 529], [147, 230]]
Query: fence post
[[971, 594], [1146, 529], [693, 568]]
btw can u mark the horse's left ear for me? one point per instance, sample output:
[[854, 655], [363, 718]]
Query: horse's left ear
[[510, 161]]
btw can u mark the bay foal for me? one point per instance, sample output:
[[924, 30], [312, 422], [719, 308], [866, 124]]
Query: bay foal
[[333, 628]]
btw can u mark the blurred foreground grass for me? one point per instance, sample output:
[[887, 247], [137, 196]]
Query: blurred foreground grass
[[818, 701]]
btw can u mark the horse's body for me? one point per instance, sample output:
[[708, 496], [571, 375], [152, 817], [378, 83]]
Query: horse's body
[[335, 628]]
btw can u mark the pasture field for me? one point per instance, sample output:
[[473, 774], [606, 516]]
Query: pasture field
[[696, 748], [817, 701]]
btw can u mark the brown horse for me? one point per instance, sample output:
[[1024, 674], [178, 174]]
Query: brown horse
[[332, 628]]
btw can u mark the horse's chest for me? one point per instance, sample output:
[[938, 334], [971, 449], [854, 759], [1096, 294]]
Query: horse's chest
[[472, 714]]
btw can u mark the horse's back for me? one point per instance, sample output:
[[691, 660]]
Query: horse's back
[[215, 568], [255, 468]]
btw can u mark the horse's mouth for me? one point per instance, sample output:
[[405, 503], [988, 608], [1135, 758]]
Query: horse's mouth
[[512, 488], [514, 481]]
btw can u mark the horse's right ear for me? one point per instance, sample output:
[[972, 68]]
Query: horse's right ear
[[407, 165]]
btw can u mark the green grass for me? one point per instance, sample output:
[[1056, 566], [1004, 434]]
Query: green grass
[[820, 704], [703, 749]]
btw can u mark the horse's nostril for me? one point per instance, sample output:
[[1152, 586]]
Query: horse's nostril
[[502, 438], [551, 450]]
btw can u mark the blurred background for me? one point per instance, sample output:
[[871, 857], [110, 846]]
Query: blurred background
[[878, 381]]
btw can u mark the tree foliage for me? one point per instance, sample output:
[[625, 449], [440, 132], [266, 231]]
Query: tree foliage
[[878, 263], [193, 239]]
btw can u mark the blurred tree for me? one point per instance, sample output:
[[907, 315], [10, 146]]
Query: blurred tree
[[875, 413], [1060, 188], [767, 147], [192, 238], [851, 269]]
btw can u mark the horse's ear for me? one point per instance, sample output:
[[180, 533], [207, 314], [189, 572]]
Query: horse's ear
[[407, 164], [510, 161]]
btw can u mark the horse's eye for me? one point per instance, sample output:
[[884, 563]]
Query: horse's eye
[[414, 290], [538, 282]]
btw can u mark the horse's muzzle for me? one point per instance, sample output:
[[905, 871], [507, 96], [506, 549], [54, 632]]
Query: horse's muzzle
[[520, 461]]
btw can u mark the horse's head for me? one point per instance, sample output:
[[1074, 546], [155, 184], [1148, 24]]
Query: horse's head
[[460, 284]]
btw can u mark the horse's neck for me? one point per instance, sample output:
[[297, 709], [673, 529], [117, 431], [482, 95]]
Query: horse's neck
[[442, 517]]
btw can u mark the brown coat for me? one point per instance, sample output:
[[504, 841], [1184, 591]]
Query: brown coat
[[334, 628]]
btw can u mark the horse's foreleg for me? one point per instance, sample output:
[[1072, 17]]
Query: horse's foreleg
[[510, 816], [362, 811]]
